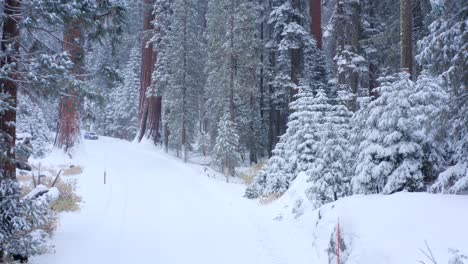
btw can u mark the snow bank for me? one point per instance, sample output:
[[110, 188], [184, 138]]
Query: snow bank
[[384, 229]]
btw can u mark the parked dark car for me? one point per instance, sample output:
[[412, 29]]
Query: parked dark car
[[91, 136]]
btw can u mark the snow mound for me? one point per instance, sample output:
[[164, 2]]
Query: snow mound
[[384, 229], [39, 190]]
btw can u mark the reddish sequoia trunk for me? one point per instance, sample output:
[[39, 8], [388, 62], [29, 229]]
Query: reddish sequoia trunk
[[69, 118], [315, 11], [8, 118], [150, 107]]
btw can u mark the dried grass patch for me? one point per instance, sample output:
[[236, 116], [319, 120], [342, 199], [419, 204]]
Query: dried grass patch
[[68, 200], [67, 170], [248, 176], [72, 171]]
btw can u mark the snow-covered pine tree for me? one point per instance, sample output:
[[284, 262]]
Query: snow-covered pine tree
[[185, 50], [161, 40], [21, 222], [245, 45], [275, 176], [217, 66], [232, 69], [226, 150], [394, 152], [428, 99], [31, 121], [351, 66], [299, 148], [444, 53], [202, 142], [124, 100], [296, 60], [293, 153], [162, 69], [330, 176]]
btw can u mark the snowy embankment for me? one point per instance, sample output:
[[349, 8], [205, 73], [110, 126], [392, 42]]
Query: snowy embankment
[[384, 229], [155, 209]]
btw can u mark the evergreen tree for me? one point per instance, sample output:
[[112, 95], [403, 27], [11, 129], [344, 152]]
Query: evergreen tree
[[295, 60], [299, 149], [185, 50], [124, 107], [226, 150], [391, 156], [428, 100], [31, 121], [21, 222], [231, 71], [443, 53], [330, 177], [352, 67]]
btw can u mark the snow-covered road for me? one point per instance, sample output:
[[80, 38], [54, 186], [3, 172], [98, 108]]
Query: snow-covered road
[[155, 209]]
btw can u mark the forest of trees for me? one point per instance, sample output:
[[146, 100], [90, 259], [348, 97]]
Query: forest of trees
[[364, 96]]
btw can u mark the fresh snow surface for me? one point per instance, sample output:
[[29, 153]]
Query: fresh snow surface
[[383, 229], [155, 209]]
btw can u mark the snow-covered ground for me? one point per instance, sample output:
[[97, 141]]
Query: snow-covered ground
[[155, 209]]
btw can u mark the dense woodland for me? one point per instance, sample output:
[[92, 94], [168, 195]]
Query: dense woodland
[[357, 96]]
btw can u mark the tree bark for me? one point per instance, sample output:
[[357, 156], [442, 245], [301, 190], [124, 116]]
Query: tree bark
[[12, 9], [150, 105], [184, 91], [69, 118], [406, 35], [315, 12], [232, 63]]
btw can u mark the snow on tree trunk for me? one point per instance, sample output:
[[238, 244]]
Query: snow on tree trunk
[[10, 47]]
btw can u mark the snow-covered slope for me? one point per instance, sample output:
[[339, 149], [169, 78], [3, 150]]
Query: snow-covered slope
[[156, 209], [384, 229]]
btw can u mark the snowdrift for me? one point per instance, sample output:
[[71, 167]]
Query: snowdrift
[[383, 229]]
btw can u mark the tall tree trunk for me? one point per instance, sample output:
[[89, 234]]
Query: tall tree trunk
[[232, 62], [262, 61], [406, 34], [340, 34], [69, 119], [355, 38], [253, 144], [12, 16], [184, 89], [150, 105], [315, 12]]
